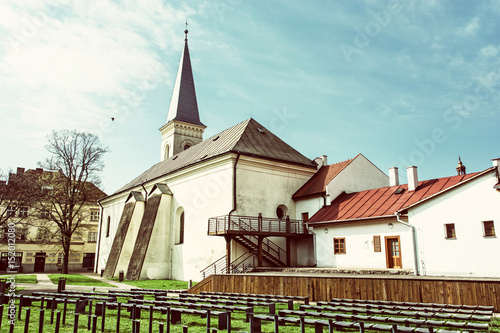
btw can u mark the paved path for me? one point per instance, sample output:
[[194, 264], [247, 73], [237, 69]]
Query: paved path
[[45, 284]]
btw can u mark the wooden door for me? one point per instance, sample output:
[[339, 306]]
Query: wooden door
[[39, 262], [393, 252]]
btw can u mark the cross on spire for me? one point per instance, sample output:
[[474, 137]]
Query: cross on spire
[[186, 31]]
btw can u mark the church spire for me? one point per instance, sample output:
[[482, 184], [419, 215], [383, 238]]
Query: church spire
[[183, 127], [183, 105]]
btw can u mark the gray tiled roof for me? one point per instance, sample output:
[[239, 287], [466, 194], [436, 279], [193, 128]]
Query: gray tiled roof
[[247, 138], [183, 104]]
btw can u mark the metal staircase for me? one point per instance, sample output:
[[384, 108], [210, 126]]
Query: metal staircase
[[243, 264], [249, 231]]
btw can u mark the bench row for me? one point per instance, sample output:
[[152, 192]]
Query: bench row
[[389, 320], [406, 313]]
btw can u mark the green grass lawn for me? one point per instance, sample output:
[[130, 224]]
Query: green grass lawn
[[157, 284], [21, 278], [79, 280]]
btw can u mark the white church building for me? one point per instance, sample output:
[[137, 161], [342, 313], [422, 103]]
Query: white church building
[[244, 198]]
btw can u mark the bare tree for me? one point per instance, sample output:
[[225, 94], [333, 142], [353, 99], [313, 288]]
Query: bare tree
[[64, 193]]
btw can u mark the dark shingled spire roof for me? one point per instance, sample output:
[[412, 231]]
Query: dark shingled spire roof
[[183, 105], [247, 138]]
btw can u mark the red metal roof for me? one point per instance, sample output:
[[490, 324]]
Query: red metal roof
[[316, 185], [384, 201]]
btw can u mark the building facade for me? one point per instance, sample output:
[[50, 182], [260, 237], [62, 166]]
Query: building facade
[[30, 233], [437, 227]]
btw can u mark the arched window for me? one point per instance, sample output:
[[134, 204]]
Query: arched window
[[108, 226], [179, 232], [167, 151], [186, 147]]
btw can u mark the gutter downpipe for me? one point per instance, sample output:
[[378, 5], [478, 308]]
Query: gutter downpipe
[[99, 238], [314, 242], [234, 186], [234, 203], [414, 240]]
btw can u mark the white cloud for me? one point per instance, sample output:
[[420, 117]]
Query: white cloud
[[471, 28], [67, 66], [489, 51]]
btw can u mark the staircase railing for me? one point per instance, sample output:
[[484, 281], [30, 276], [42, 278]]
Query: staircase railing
[[243, 264], [256, 224], [217, 267]]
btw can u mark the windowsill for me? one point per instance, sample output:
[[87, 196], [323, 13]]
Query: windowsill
[[178, 243], [490, 236], [451, 238]]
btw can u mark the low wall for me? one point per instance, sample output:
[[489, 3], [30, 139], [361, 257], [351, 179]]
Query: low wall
[[392, 288]]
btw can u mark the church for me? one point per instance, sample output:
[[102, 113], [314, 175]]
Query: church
[[245, 198]]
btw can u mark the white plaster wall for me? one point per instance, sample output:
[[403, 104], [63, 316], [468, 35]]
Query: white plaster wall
[[470, 254], [310, 205], [112, 207], [264, 185], [304, 254], [359, 244], [359, 175], [202, 193]]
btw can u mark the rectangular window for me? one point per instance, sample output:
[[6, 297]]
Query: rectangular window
[[108, 226], [45, 215], [11, 211], [92, 237], [94, 215], [339, 246], [450, 231], [305, 217], [23, 212], [8, 262], [376, 244], [22, 234], [489, 229]]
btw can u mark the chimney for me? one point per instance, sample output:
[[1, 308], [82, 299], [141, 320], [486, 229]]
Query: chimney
[[496, 163], [393, 176], [321, 161], [20, 171], [411, 173]]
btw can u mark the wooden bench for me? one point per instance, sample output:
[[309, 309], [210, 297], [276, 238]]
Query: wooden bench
[[414, 304], [334, 326], [139, 292], [270, 305], [174, 313], [289, 302], [416, 314], [110, 298], [391, 320], [304, 299], [246, 309], [128, 295], [169, 291]]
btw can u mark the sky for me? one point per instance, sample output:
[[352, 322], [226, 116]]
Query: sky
[[402, 82]]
